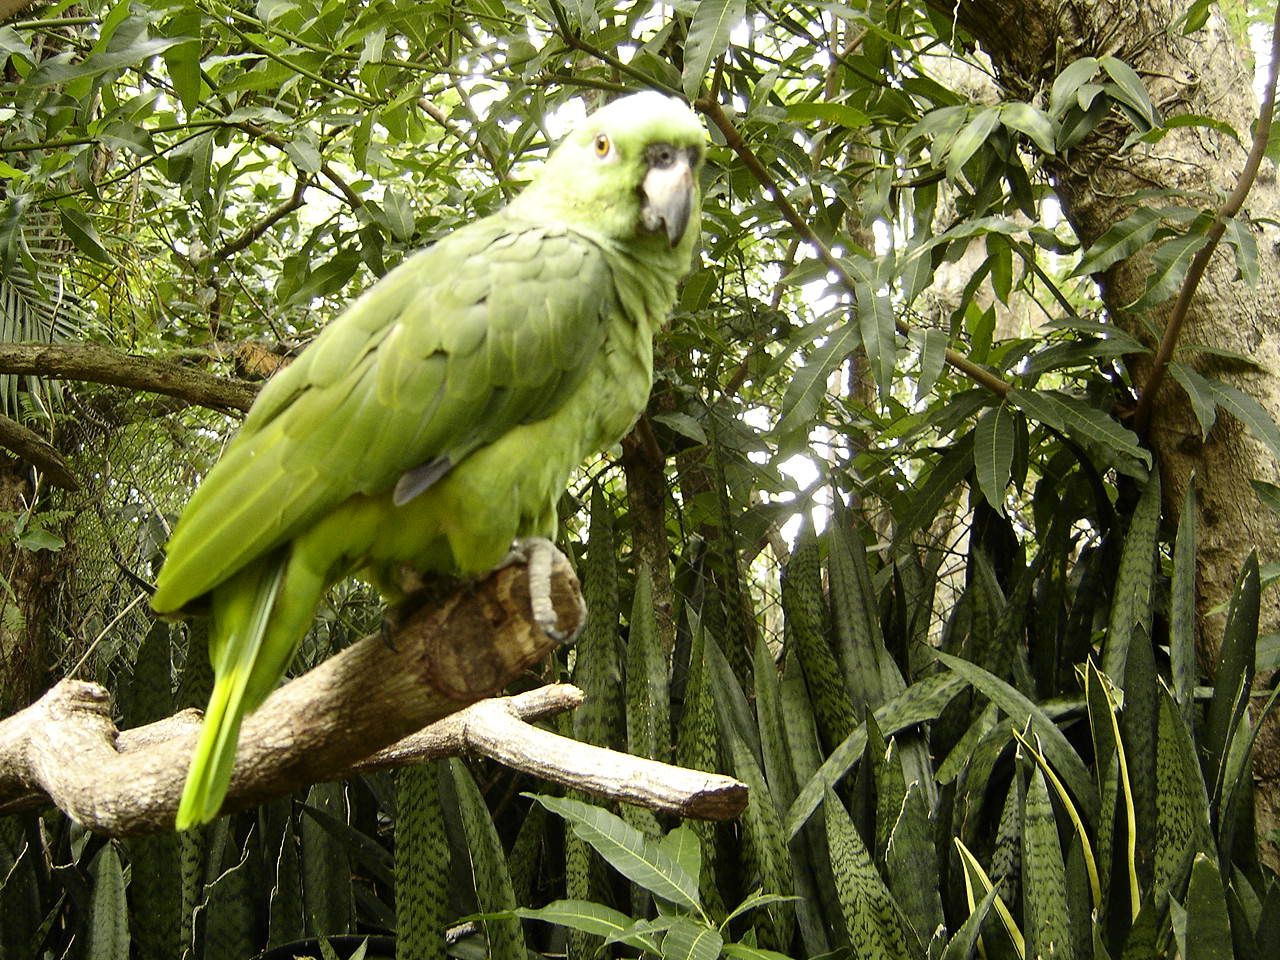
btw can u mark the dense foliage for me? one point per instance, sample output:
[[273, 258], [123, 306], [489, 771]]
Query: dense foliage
[[883, 546]]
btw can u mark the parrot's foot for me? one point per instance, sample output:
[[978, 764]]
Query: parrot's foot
[[538, 555]]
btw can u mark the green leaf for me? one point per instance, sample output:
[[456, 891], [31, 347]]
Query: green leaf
[[593, 918], [933, 358], [682, 424], [708, 38], [1200, 392], [1208, 930], [1239, 235], [875, 321], [494, 892], [1044, 875], [627, 850], [1035, 123], [689, 940], [744, 952], [809, 385], [108, 913], [77, 225], [1249, 412], [60, 69], [993, 441], [1182, 608], [303, 152], [1131, 602], [1063, 94], [1120, 241], [1022, 711], [399, 214], [972, 136], [1169, 266], [1079, 418], [1130, 88], [839, 114]]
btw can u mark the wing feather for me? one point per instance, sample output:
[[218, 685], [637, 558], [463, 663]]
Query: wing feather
[[490, 328]]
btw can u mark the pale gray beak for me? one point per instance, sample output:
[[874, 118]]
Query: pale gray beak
[[668, 191]]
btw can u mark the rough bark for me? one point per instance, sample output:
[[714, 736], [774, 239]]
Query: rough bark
[[98, 364], [1207, 73]]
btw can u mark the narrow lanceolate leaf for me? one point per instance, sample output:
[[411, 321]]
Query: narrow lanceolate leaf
[[1249, 412], [923, 505], [689, 940], [872, 919], [1208, 929], [421, 864], [77, 225], [709, 30], [1129, 88], [975, 878], [583, 915], [1240, 237], [1182, 802], [804, 608], [1200, 392], [628, 850], [921, 702], [1121, 241], [993, 440], [1182, 608], [1077, 417], [1135, 581], [1044, 875], [1169, 265], [875, 320], [1057, 749], [1234, 675], [806, 389], [933, 357], [961, 945], [648, 707], [494, 893], [108, 913]]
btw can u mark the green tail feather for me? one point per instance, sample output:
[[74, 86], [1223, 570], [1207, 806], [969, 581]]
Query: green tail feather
[[242, 614]]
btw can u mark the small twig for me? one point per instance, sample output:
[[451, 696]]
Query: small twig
[[739, 146], [255, 230], [354, 200], [34, 449], [1230, 207]]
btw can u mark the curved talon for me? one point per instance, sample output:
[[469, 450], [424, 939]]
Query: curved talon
[[538, 555]]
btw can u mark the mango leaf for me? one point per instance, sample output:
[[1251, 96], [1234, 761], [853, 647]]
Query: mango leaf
[[809, 385], [690, 940], [1249, 412], [1200, 392], [77, 225], [60, 69], [399, 214], [1168, 268], [708, 38], [933, 357], [1077, 417], [1120, 241], [1245, 247], [875, 320], [593, 918], [993, 441], [840, 114], [627, 850]]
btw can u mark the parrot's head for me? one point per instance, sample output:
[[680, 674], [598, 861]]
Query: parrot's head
[[628, 171]]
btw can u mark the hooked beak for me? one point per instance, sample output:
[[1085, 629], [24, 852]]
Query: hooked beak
[[668, 192]]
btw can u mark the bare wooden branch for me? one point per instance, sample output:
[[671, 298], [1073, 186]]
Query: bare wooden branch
[[359, 711], [34, 449], [500, 729], [448, 654], [99, 364]]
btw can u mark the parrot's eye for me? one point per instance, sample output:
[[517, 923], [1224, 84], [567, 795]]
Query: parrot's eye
[[602, 145]]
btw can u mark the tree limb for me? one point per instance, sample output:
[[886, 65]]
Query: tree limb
[[359, 710], [34, 449], [98, 364]]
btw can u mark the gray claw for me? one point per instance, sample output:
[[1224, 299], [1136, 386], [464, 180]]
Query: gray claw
[[538, 555]]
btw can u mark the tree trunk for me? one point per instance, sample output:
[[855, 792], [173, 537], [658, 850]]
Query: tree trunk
[[1208, 73]]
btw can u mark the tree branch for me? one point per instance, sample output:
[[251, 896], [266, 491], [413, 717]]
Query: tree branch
[[340, 716], [99, 364], [34, 449], [1195, 271]]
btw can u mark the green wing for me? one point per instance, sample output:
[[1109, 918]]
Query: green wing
[[490, 328]]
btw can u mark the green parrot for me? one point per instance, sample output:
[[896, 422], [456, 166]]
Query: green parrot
[[436, 421]]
